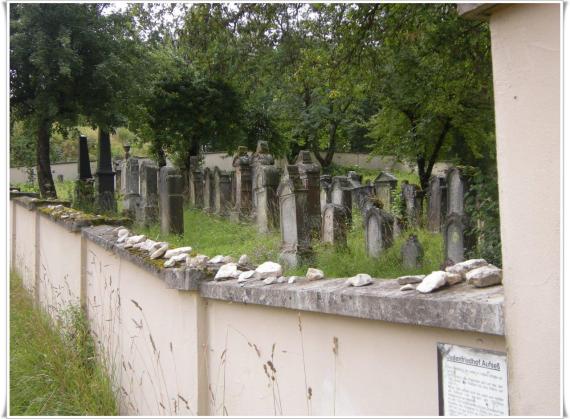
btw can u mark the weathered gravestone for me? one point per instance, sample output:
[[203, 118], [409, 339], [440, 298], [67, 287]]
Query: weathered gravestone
[[326, 190], [130, 182], [456, 223], [267, 212], [437, 203], [194, 165], [378, 231], [310, 174], [117, 167], [84, 193], [208, 190], [295, 232], [170, 187], [243, 182], [384, 186], [222, 192], [412, 253], [147, 211], [335, 225], [412, 199], [361, 196], [105, 177], [197, 188], [260, 158], [342, 195]]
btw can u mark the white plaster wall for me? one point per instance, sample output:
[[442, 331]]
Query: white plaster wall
[[526, 72], [59, 269], [381, 368], [25, 246], [68, 170]]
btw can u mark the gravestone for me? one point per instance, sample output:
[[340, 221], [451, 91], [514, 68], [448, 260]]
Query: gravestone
[[197, 188], [127, 150], [222, 192], [412, 253], [233, 183], [118, 167], [105, 176], [171, 208], [378, 231], [361, 195], [437, 205], [454, 239], [260, 158], [131, 197], [84, 191], [412, 199], [148, 187], [194, 165], [342, 195], [326, 190], [208, 190], [267, 212], [295, 233], [335, 225], [384, 185], [310, 174], [355, 181], [243, 183]]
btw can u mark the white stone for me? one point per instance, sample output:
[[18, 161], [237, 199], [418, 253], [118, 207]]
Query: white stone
[[244, 260], [122, 238], [244, 276], [178, 258], [228, 259], [170, 263], [484, 276], [462, 268], [314, 274], [267, 269], [217, 259], [432, 282], [177, 251], [407, 287], [294, 279], [269, 280], [281, 279], [136, 239], [359, 280], [227, 271], [127, 246], [158, 253], [410, 279], [122, 232]]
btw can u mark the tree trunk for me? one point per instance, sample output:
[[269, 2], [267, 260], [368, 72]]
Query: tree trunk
[[161, 157], [45, 179], [327, 160]]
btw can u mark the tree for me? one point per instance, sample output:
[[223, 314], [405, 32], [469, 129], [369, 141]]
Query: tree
[[67, 60], [433, 82]]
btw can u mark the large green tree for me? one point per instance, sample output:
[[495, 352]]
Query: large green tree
[[67, 60]]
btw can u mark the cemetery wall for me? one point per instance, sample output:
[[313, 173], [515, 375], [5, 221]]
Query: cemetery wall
[[525, 40], [67, 170], [176, 345]]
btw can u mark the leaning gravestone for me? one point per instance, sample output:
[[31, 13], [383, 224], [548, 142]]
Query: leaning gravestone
[[267, 212], [147, 211], [84, 193], [335, 225], [326, 189], [243, 196], [456, 189], [310, 174], [222, 192], [378, 231], [208, 190], [384, 185], [171, 201], [412, 253], [295, 233], [131, 198], [411, 196], [454, 237], [342, 195], [437, 203]]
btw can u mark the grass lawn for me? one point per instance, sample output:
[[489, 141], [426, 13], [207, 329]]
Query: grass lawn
[[212, 235], [53, 373]]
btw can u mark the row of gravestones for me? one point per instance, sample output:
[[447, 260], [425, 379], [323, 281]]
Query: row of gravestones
[[299, 201]]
